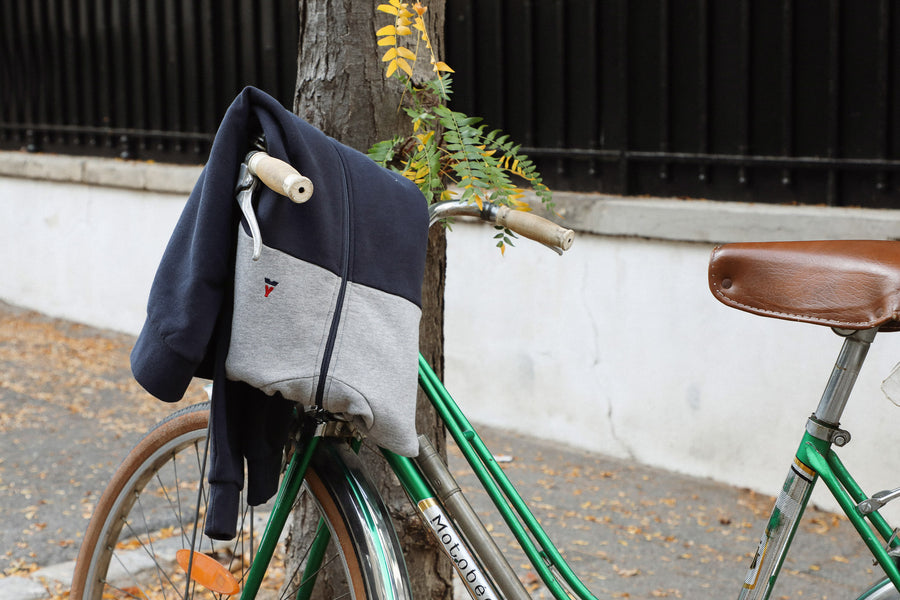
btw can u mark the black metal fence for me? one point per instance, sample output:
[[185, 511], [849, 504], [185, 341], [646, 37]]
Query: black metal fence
[[136, 78], [758, 100]]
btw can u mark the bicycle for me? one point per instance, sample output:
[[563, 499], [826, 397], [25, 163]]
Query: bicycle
[[152, 510]]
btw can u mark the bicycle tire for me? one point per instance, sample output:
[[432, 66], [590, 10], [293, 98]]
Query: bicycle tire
[[144, 500]]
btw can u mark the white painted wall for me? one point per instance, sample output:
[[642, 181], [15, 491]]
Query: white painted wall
[[617, 347], [83, 252]]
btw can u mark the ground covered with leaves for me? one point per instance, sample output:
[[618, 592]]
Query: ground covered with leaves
[[70, 410], [631, 531]]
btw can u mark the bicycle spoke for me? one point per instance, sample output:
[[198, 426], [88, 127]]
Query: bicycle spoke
[[149, 511]]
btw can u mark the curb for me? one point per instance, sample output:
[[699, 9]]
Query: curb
[[39, 584]]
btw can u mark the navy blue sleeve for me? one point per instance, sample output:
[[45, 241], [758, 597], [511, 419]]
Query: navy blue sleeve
[[195, 273]]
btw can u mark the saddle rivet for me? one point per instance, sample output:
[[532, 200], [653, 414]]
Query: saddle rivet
[[726, 283]]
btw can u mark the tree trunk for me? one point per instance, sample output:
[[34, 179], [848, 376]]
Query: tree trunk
[[341, 89]]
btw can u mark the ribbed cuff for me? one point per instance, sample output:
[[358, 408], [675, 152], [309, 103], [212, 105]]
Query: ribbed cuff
[[222, 513], [159, 369]]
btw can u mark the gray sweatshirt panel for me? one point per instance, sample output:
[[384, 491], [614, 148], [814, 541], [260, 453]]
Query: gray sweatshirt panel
[[283, 309]]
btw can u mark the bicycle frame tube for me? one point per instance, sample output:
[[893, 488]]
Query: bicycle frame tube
[[284, 502], [848, 494], [538, 547], [815, 458]]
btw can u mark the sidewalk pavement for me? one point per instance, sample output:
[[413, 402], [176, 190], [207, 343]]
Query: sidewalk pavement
[[70, 410]]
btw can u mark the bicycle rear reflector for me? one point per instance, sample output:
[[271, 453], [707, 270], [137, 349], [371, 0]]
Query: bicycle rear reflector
[[208, 572]]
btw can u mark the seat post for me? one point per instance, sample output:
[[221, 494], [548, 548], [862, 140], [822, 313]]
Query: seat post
[[844, 374]]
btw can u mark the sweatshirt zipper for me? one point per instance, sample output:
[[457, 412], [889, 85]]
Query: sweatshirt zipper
[[345, 272]]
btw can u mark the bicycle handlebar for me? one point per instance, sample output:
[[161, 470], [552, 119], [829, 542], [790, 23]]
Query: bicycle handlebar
[[535, 227], [285, 180], [526, 224], [280, 177]]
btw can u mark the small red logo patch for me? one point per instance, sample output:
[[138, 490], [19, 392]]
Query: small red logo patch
[[270, 285]]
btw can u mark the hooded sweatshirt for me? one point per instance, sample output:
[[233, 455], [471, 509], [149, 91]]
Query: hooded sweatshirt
[[327, 316]]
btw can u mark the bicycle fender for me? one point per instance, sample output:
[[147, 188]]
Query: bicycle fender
[[367, 518]]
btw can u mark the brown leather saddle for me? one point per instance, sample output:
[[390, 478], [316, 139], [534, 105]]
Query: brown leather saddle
[[841, 283]]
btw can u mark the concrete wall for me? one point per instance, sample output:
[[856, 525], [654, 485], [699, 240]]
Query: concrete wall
[[617, 347]]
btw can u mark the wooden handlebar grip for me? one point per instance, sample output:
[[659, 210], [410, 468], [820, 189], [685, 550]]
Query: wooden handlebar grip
[[281, 177], [536, 228]]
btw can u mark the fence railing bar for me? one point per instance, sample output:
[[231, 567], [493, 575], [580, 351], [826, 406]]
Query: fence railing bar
[[246, 40], [229, 44], [190, 100], [121, 75], [596, 130], [833, 71], [103, 31], [702, 85], [37, 53], [663, 83], [71, 107], [492, 73], [624, 107], [86, 66], [287, 41], [174, 107], [136, 43], [208, 71], [25, 108], [159, 134], [268, 36], [739, 160], [8, 83], [528, 54], [154, 57], [562, 57], [745, 85], [883, 90], [787, 86], [45, 25]]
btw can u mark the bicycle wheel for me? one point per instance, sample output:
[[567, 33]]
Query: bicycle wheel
[[883, 590], [155, 506]]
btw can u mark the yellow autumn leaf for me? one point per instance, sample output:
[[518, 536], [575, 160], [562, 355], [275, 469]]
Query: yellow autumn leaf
[[387, 41], [404, 66], [442, 66], [406, 53], [397, 4], [391, 68], [403, 30], [389, 55], [387, 8], [386, 30]]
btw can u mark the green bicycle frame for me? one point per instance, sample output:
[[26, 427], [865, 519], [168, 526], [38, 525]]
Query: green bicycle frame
[[814, 459], [532, 538]]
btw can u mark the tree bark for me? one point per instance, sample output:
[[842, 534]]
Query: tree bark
[[341, 89]]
